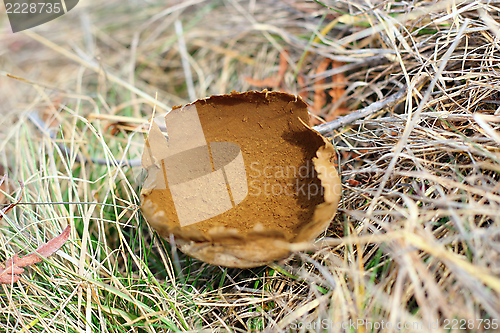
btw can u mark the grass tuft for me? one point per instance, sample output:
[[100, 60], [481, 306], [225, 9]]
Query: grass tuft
[[420, 209]]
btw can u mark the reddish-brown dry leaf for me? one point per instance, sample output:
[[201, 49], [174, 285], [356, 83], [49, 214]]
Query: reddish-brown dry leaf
[[121, 126], [264, 83], [337, 92], [319, 92], [353, 182], [11, 272], [114, 128], [271, 82]]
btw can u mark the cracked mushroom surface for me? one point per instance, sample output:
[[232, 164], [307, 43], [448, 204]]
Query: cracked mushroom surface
[[239, 178]]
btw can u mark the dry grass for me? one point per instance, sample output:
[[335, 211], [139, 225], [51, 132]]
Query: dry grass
[[421, 202]]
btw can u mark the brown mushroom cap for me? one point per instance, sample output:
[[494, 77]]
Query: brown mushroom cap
[[293, 186]]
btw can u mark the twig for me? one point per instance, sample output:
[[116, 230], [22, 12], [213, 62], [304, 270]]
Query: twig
[[35, 119], [352, 117], [323, 128]]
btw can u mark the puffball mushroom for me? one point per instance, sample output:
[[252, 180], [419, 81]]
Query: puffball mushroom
[[240, 178]]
